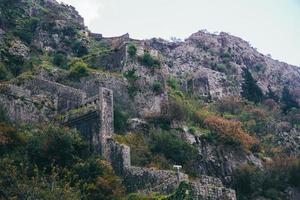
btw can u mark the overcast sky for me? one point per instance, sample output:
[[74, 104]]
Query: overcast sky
[[272, 26]]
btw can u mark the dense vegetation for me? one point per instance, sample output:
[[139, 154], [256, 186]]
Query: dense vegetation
[[231, 121], [50, 162], [271, 183]]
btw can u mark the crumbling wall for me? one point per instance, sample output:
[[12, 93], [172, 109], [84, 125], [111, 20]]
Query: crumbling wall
[[209, 188], [116, 42], [141, 178], [112, 60], [21, 106], [147, 180], [66, 98], [106, 117]]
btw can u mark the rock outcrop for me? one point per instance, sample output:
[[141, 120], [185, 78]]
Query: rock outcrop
[[50, 37]]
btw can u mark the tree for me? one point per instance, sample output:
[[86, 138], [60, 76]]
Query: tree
[[288, 100], [132, 50], [60, 60], [3, 72], [250, 89], [157, 87]]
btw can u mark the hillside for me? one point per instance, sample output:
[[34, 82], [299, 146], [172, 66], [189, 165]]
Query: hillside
[[84, 116]]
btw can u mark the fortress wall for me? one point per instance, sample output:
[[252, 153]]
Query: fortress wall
[[141, 178], [21, 107], [209, 191], [22, 110], [106, 119], [67, 98]]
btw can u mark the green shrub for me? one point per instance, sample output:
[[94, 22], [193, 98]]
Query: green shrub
[[97, 180], [173, 83], [157, 87], [148, 61], [60, 60], [183, 192], [50, 162], [9, 138], [226, 57], [3, 115], [70, 31], [120, 120], [79, 48], [78, 69], [177, 110], [250, 182], [131, 75], [4, 74], [26, 28], [172, 147], [132, 50], [139, 148], [17, 182], [132, 78], [15, 64], [137, 196], [221, 67], [55, 145]]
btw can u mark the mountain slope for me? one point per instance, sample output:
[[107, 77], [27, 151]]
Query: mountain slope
[[211, 103]]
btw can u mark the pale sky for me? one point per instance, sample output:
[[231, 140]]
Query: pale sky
[[271, 26]]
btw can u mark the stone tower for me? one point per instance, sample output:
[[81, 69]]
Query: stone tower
[[94, 121], [106, 119]]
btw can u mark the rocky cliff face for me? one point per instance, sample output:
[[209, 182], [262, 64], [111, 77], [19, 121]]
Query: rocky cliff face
[[50, 63], [221, 58]]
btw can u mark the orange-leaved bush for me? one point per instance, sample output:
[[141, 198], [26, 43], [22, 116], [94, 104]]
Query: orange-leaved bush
[[230, 131]]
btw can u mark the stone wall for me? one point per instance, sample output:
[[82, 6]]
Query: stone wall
[[66, 98], [21, 106], [116, 42], [209, 188], [140, 178], [106, 118], [122, 99], [147, 180]]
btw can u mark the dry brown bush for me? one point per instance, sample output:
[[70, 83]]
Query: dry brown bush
[[230, 131]]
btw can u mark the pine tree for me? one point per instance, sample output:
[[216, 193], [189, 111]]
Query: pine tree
[[288, 100], [250, 90]]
